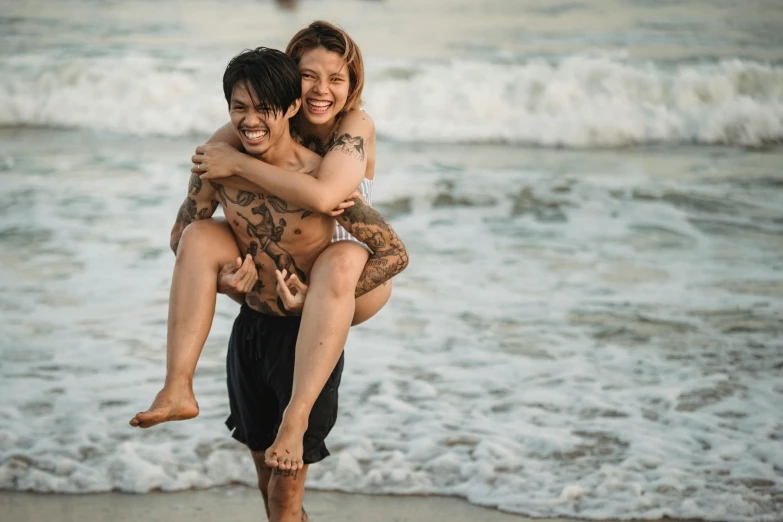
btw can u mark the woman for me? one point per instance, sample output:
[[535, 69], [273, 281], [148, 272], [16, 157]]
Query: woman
[[331, 124]]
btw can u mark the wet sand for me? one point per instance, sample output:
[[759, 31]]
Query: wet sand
[[238, 504]]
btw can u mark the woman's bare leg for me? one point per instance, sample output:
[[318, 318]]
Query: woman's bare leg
[[204, 248], [371, 303], [326, 318]]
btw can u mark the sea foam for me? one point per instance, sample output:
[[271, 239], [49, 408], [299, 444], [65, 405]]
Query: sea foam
[[576, 101], [590, 362]]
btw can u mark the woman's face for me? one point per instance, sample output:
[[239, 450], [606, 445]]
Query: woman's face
[[325, 85]]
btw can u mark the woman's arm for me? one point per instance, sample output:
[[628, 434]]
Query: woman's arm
[[389, 256], [388, 259], [341, 170], [226, 134]]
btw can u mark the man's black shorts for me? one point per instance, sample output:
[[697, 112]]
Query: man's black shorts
[[260, 368]]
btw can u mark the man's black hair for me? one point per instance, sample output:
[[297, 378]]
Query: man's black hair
[[272, 74]]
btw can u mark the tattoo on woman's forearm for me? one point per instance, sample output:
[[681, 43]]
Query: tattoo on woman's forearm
[[389, 256]]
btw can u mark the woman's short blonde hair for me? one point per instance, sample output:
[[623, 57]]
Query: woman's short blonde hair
[[332, 38]]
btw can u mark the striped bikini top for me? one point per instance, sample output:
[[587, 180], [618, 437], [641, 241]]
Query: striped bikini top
[[340, 234], [365, 187]]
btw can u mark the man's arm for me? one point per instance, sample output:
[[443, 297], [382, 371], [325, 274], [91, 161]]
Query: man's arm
[[200, 203], [389, 256], [340, 172]]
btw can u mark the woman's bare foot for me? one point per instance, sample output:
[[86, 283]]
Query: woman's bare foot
[[286, 451], [172, 403]]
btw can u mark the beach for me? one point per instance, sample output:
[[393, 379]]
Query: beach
[[244, 504], [238, 504], [590, 326]]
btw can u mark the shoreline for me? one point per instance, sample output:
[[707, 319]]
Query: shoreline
[[238, 503]]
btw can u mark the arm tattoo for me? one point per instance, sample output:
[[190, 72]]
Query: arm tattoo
[[188, 213], [191, 210], [389, 256], [185, 216], [194, 185], [352, 146]]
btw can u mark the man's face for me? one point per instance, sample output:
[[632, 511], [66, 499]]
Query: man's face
[[257, 126]]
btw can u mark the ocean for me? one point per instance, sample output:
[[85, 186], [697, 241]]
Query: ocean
[[591, 194]]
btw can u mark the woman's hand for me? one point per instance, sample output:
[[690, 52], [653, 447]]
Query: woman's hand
[[292, 291], [346, 204], [216, 160]]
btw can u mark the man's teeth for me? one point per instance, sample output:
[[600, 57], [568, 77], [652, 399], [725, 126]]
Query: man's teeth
[[255, 135]]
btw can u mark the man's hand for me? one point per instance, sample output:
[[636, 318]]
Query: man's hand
[[292, 291], [346, 204], [237, 277], [216, 160]]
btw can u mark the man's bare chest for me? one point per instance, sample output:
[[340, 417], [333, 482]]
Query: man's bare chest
[[270, 221]]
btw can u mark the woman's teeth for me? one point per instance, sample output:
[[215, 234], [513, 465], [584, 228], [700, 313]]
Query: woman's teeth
[[318, 106], [255, 135]]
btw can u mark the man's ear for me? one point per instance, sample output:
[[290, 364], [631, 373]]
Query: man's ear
[[294, 108]]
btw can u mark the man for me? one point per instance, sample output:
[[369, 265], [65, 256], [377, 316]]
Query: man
[[263, 89]]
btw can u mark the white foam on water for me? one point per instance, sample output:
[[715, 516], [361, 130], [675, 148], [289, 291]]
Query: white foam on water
[[576, 101], [581, 101], [135, 94], [561, 345]]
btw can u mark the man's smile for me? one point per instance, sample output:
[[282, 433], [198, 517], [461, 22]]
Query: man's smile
[[254, 136]]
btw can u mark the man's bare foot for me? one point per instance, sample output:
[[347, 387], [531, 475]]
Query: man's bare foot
[[170, 404], [286, 451]]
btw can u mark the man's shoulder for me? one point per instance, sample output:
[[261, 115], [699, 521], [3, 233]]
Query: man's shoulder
[[310, 160]]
